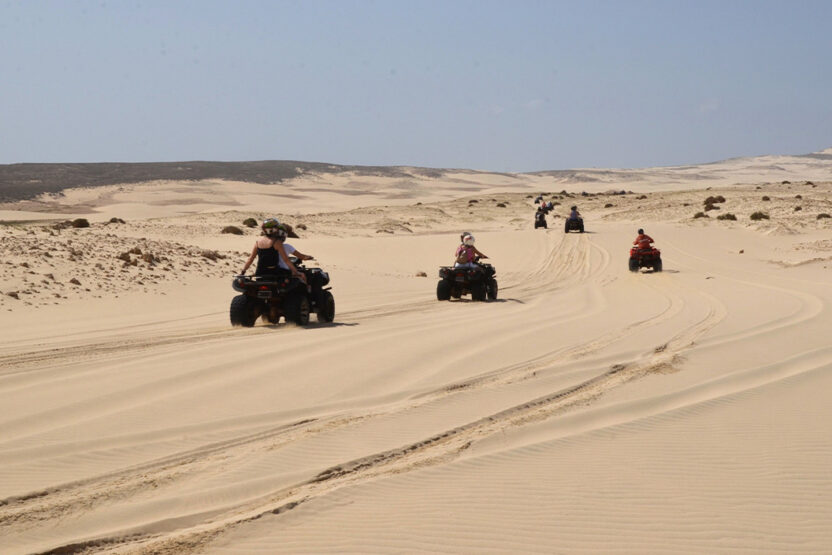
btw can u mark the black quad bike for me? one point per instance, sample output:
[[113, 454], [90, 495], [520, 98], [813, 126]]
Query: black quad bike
[[455, 281], [645, 258], [573, 224], [540, 219], [282, 295]]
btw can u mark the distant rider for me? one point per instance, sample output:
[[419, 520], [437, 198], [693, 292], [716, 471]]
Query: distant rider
[[272, 256], [574, 214], [467, 253], [643, 241]]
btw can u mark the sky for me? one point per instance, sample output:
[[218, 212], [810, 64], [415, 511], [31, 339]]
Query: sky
[[515, 85]]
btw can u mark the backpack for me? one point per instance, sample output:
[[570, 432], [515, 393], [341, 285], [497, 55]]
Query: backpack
[[462, 255]]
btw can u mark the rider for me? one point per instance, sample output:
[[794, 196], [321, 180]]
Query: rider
[[643, 241], [290, 250], [574, 214], [270, 252], [466, 253]]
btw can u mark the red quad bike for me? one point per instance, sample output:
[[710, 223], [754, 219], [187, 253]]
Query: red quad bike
[[282, 295], [478, 281], [645, 258]]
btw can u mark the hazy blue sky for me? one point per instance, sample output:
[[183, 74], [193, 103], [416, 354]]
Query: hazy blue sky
[[505, 86]]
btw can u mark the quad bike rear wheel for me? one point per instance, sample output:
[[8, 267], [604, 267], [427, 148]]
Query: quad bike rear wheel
[[478, 291], [491, 290], [326, 307], [296, 309], [443, 290], [243, 311], [657, 265]]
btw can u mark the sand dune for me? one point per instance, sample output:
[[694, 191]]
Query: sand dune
[[588, 409]]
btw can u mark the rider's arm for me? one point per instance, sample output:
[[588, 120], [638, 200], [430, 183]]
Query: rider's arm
[[302, 256], [250, 259], [478, 253]]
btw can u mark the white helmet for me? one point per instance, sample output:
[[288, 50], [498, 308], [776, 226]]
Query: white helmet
[[469, 240]]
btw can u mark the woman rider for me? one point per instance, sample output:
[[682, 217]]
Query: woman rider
[[270, 252]]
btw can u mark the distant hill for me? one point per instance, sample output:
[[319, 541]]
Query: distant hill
[[27, 181]]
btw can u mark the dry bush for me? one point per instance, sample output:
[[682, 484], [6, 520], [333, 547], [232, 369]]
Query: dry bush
[[823, 216], [766, 198], [700, 215], [80, 222], [759, 216], [233, 229], [250, 222], [798, 208], [727, 216]]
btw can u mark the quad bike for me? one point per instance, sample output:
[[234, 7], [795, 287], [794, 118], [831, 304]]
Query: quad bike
[[573, 224], [645, 258], [455, 281], [282, 295], [540, 219]]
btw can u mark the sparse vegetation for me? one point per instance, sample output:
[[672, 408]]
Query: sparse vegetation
[[609, 205], [759, 216], [250, 222], [233, 229], [727, 216], [798, 208], [823, 216], [766, 198], [80, 222], [700, 215]]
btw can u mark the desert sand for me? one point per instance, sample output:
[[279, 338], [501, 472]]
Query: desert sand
[[587, 409]]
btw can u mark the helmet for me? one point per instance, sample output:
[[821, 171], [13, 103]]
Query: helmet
[[273, 228], [462, 236], [640, 231], [469, 240], [574, 208]]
